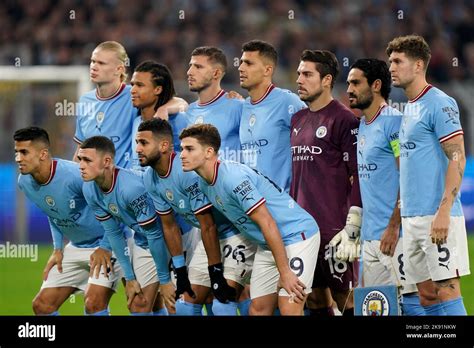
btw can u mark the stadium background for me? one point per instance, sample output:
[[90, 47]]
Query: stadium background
[[50, 33]]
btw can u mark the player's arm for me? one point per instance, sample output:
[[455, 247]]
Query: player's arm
[[172, 234], [209, 236], [389, 238], [288, 280], [454, 150], [221, 290], [56, 257], [173, 106]]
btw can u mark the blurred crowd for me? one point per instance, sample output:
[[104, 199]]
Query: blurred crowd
[[45, 32]]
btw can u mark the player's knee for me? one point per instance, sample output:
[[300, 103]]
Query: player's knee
[[259, 308], [94, 304], [447, 289], [140, 304], [427, 296], [41, 306]]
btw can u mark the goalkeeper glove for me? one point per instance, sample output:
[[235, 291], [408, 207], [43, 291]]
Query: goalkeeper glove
[[182, 282], [221, 290], [347, 240]]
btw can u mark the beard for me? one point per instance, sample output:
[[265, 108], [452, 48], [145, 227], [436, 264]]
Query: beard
[[362, 103], [312, 97], [151, 160], [201, 87]]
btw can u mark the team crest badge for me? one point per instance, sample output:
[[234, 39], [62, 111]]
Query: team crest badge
[[199, 120], [362, 141], [169, 195], [50, 201], [321, 132], [113, 208], [375, 304], [100, 117], [219, 201], [252, 120]]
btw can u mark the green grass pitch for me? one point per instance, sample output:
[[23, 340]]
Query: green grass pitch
[[20, 280]]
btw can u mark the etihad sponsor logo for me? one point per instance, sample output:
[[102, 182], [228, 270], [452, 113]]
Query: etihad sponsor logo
[[254, 144], [367, 167], [409, 145], [306, 150], [305, 153]]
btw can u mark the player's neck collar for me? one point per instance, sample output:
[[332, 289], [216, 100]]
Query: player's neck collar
[[216, 172], [379, 111], [54, 163], [116, 93], [170, 166], [267, 92], [218, 95], [422, 93], [114, 180]]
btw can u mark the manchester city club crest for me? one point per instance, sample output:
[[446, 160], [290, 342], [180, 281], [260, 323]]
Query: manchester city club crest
[[169, 195], [50, 201], [375, 304], [252, 120], [362, 141], [100, 117], [219, 201], [199, 120], [113, 208], [321, 132]]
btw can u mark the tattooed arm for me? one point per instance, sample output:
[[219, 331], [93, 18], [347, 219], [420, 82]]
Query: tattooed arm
[[454, 150]]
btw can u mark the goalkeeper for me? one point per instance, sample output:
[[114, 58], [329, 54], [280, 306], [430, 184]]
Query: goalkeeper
[[324, 176]]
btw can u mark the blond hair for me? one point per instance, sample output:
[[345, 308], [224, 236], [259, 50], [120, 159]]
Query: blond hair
[[120, 53]]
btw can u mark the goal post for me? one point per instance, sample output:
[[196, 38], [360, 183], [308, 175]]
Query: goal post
[[30, 95]]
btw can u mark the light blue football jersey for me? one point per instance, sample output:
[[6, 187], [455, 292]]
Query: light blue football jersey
[[265, 133], [179, 191], [62, 200], [223, 113], [377, 150], [237, 190], [127, 201], [111, 117], [428, 120], [178, 122]]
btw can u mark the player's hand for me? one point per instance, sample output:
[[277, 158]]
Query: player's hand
[[100, 259], [347, 240], [389, 239], [132, 290], [167, 291], [234, 95], [293, 286], [220, 289], [440, 227], [162, 112], [56, 258], [182, 283]]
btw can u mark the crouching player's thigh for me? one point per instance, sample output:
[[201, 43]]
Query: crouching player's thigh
[[237, 257], [264, 291], [146, 274]]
